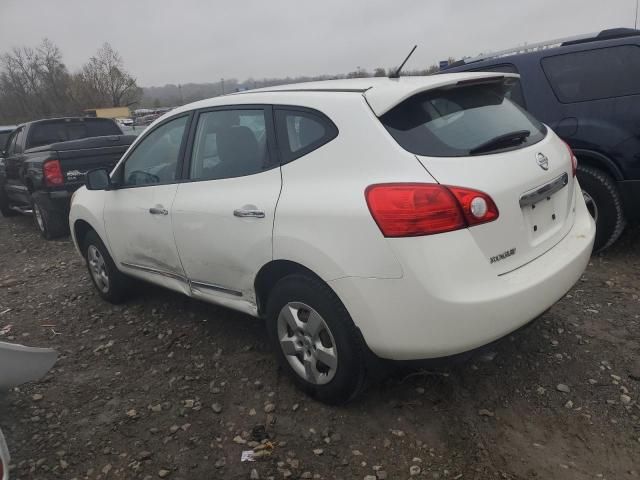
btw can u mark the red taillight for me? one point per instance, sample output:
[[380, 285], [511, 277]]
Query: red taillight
[[478, 207], [574, 160], [414, 209], [53, 173]]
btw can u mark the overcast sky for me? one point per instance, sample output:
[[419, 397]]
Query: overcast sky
[[181, 41]]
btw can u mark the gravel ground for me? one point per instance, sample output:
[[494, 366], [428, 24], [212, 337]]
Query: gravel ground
[[168, 387]]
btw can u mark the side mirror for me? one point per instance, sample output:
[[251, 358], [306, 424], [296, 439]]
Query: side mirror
[[98, 179]]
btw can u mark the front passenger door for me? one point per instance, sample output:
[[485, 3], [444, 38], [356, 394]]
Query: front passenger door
[[138, 212], [223, 215]]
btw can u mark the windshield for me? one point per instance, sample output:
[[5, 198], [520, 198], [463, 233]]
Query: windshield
[[53, 131], [454, 122]]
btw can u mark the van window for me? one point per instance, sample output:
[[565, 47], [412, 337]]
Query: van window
[[594, 74], [456, 122]]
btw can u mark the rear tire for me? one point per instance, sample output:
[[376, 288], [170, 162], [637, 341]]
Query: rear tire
[[308, 325], [604, 203], [111, 284], [49, 222], [5, 206]]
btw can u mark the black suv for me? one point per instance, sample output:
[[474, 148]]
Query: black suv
[[587, 89]]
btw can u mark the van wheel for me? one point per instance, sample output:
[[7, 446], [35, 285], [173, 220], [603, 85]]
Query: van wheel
[[51, 223], [111, 284], [315, 339], [604, 204]]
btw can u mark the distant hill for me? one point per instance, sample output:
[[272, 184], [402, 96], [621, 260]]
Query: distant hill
[[172, 95]]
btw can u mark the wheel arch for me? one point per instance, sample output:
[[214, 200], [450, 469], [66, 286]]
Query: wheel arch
[[598, 160], [80, 229], [271, 273]]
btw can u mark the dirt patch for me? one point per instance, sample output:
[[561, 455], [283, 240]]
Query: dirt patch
[[132, 393]]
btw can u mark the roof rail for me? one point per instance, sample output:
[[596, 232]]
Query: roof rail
[[534, 47]]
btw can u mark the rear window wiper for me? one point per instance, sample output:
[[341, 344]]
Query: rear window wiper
[[501, 141]]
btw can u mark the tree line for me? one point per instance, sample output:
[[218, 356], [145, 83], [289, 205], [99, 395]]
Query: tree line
[[35, 83], [172, 95]]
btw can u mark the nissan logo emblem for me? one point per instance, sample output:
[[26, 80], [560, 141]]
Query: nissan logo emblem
[[542, 161]]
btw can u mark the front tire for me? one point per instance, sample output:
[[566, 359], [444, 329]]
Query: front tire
[[50, 223], [111, 284], [315, 339], [604, 204]]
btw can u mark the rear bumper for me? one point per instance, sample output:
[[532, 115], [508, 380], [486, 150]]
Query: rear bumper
[[449, 303]]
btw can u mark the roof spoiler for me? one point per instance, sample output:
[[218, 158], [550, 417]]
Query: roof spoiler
[[382, 98]]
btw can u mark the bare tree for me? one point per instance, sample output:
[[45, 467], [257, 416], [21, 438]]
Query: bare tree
[[106, 82], [34, 83], [55, 79]]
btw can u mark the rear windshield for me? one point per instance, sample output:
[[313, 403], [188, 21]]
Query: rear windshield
[[456, 122], [46, 133]]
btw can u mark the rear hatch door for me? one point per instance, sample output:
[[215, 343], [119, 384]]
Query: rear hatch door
[[473, 136]]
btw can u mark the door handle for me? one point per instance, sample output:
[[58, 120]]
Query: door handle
[[159, 210], [248, 213]]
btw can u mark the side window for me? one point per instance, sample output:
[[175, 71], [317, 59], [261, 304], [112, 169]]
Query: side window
[[594, 74], [228, 144], [11, 141], [301, 132], [11, 144], [155, 158], [19, 138], [515, 94]]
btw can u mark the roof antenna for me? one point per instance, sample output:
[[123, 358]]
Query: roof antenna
[[396, 74]]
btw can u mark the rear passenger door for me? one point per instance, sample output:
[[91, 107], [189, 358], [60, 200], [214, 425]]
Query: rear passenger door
[[224, 210]]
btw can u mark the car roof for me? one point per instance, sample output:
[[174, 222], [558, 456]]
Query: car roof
[[382, 93], [7, 128]]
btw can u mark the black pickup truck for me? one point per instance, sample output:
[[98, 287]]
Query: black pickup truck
[[44, 162]]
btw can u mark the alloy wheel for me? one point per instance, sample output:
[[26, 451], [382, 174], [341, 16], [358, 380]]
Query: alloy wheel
[[591, 205], [307, 343], [98, 268]]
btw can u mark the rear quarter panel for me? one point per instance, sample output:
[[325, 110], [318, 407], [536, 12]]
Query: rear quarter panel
[[322, 219]]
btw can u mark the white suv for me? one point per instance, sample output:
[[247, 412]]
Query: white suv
[[414, 218]]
